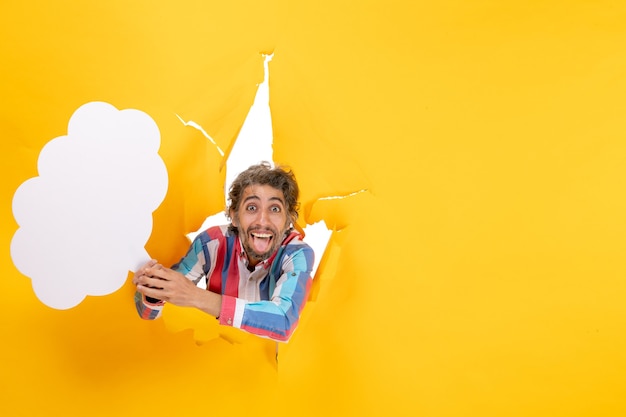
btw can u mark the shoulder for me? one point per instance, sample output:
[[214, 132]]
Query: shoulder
[[296, 244], [221, 232], [213, 235], [217, 232]]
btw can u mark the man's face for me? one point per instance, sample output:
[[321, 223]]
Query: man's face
[[262, 220]]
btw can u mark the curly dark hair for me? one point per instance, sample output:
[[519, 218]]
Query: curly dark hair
[[279, 177]]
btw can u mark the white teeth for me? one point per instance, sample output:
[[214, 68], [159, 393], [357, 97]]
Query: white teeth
[[262, 235]]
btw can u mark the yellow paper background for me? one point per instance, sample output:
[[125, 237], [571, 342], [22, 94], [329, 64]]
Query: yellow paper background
[[481, 274]]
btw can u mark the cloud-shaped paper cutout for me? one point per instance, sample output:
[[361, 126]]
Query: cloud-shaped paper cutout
[[84, 221]]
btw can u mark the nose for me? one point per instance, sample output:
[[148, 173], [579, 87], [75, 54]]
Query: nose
[[263, 217]]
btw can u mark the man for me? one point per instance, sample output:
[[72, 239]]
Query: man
[[258, 270]]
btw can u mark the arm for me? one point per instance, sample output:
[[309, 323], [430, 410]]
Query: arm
[[150, 306], [275, 318], [278, 317], [173, 287]]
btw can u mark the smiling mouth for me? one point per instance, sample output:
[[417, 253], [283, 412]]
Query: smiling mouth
[[261, 241], [261, 235]]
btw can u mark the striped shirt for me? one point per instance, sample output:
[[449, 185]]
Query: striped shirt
[[266, 301]]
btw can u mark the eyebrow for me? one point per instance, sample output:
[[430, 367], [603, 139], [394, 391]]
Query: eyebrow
[[255, 197]]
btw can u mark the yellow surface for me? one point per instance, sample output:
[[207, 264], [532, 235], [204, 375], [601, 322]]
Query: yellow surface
[[481, 274]]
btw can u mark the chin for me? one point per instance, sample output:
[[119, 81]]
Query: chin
[[261, 256]]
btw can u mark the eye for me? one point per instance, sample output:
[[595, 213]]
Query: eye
[[251, 207], [275, 209]]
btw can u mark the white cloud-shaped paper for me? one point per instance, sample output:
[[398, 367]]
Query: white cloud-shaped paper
[[84, 221]]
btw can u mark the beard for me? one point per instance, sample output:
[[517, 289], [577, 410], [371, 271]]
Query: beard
[[261, 243]]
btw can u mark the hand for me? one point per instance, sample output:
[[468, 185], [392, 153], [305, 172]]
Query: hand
[[155, 281], [141, 272]]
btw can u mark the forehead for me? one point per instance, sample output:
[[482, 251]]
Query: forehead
[[263, 193]]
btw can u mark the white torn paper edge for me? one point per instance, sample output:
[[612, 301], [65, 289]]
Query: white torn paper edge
[[341, 197], [317, 236], [252, 146]]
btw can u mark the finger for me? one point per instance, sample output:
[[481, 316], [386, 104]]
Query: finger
[[153, 282], [147, 281], [157, 293], [137, 276], [158, 271], [150, 264]]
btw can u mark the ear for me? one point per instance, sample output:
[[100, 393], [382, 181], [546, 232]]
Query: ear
[[291, 221]]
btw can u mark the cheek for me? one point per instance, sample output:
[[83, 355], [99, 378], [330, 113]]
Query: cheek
[[283, 223]]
